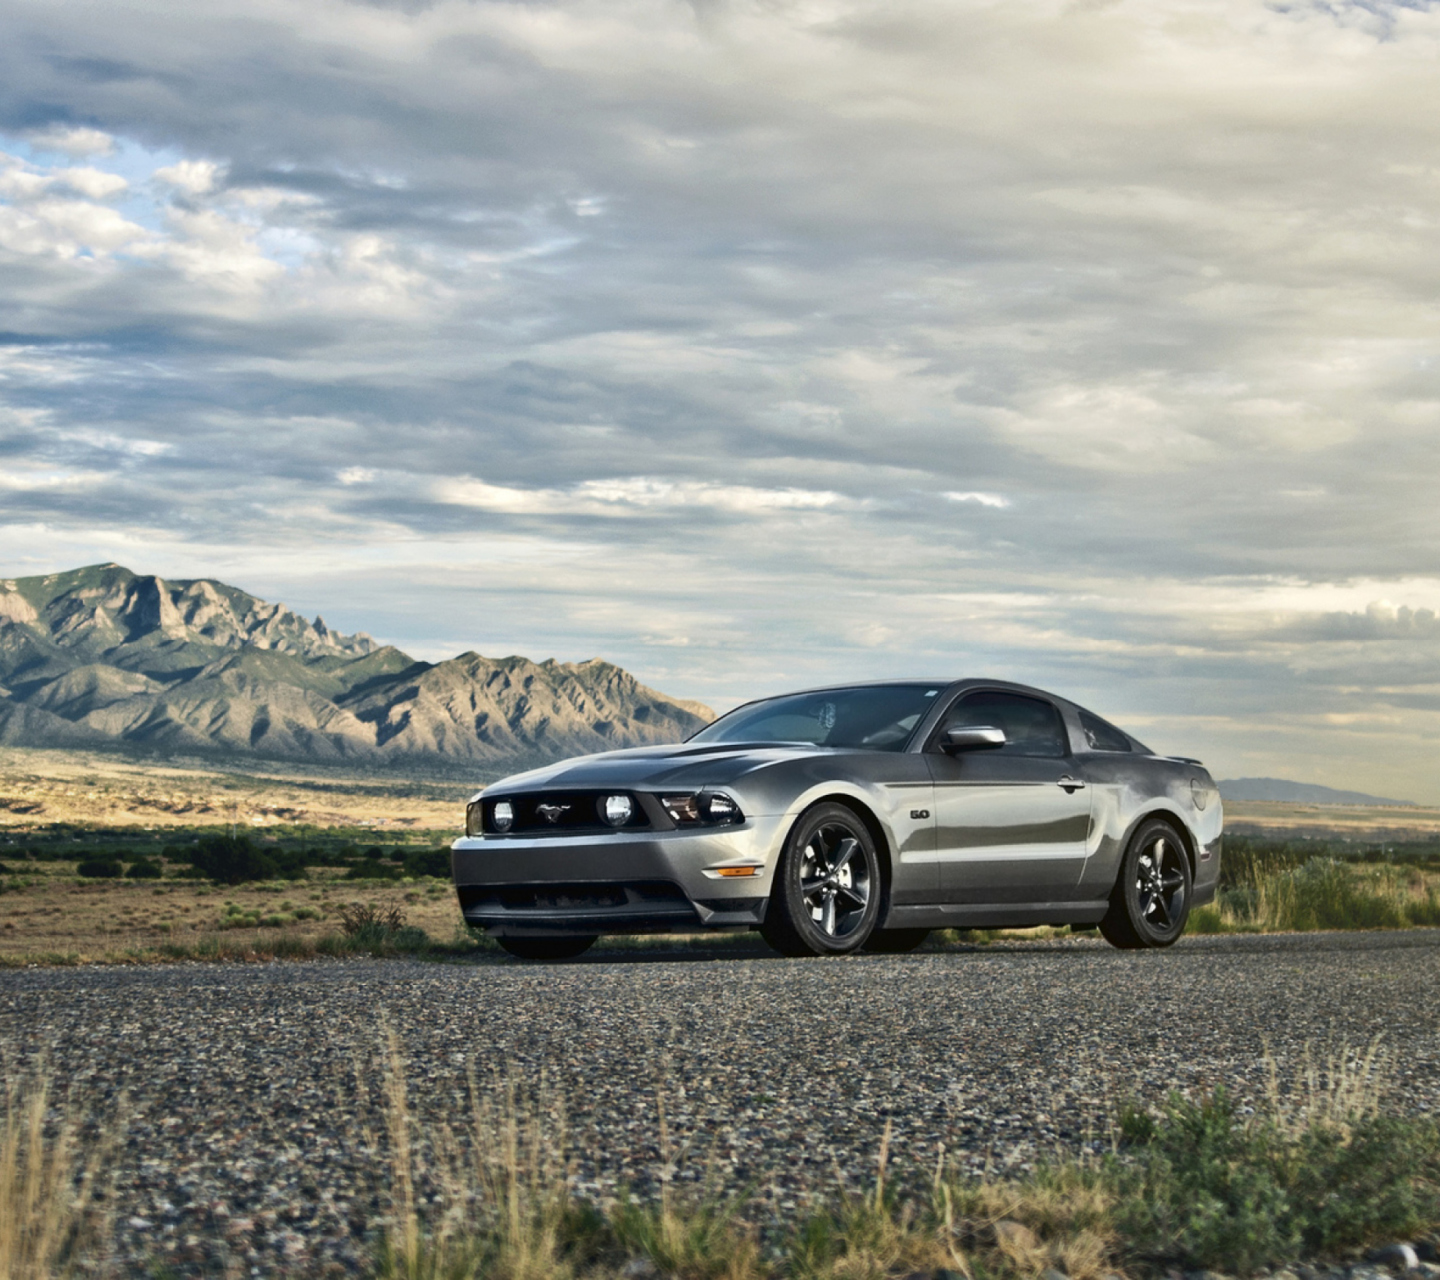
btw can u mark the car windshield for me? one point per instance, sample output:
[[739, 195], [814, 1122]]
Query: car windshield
[[875, 717]]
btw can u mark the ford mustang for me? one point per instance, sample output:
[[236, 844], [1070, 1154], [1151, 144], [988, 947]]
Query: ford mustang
[[860, 816]]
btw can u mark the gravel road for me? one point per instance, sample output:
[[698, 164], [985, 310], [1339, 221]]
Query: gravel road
[[250, 1088]]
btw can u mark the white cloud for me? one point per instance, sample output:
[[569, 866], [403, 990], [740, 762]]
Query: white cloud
[[1163, 268], [195, 176], [627, 495], [95, 183], [75, 142], [983, 499]]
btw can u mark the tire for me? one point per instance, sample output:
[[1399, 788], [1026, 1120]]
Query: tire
[[894, 942], [547, 948], [1151, 899], [826, 897]]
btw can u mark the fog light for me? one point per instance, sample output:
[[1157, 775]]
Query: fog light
[[617, 810], [503, 815]]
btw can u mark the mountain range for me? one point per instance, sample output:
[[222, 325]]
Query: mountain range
[[1279, 789], [101, 656]]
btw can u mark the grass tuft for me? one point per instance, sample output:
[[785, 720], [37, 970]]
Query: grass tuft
[[50, 1218]]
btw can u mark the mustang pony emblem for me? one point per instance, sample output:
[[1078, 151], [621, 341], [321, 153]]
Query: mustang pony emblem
[[551, 812]]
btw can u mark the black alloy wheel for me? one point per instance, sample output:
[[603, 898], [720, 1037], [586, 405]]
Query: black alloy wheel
[[827, 892], [1151, 900], [547, 948], [894, 942]]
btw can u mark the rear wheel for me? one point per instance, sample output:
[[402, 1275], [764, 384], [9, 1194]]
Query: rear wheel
[[827, 889], [894, 942], [1151, 899], [547, 948]]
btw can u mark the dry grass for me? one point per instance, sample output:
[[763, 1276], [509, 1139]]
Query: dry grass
[[1361, 823], [1193, 1183], [1338, 1091], [506, 1209], [50, 1170], [57, 918], [90, 788]]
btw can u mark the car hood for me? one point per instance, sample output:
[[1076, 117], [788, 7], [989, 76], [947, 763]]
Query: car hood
[[671, 767]]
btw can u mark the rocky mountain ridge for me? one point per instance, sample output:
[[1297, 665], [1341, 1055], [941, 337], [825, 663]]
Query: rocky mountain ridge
[[102, 656]]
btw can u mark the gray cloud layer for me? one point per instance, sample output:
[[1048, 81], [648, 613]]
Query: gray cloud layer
[[749, 344]]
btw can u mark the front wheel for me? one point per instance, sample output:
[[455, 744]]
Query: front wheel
[[1151, 899], [827, 888], [547, 948]]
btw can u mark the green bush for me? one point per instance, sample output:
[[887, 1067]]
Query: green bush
[[237, 860], [1214, 1188], [372, 870], [101, 868], [144, 869], [428, 862]]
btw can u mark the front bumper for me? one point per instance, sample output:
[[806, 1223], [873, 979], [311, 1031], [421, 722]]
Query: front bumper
[[616, 881]]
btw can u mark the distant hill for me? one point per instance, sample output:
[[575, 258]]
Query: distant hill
[[1278, 789], [102, 656]]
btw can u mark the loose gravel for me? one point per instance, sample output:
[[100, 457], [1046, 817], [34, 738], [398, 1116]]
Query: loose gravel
[[252, 1093]]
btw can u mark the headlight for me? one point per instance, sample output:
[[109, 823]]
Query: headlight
[[617, 810], [474, 818], [503, 815], [702, 809]]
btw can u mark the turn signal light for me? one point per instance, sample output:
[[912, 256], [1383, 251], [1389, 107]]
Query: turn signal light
[[738, 871]]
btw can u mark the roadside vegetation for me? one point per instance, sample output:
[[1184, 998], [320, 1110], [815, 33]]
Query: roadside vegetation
[[1274, 886], [1319, 1172], [124, 895], [70, 896]]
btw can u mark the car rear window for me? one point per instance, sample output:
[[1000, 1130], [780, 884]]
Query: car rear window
[[1100, 735]]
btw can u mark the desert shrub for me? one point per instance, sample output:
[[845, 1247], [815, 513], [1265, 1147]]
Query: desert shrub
[[362, 917], [101, 868], [232, 860], [381, 928], [235, 916], [237, 860], [372, 870], [428, 862], [144, 869]]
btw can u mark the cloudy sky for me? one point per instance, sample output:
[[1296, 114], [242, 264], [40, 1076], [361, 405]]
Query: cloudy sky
[[762, 343]]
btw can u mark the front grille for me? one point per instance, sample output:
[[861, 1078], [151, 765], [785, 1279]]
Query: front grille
[[641, 897], [575, 811]]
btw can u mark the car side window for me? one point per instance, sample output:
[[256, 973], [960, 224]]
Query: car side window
[[1032, 727], [1102, 736]]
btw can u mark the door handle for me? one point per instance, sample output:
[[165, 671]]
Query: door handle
[[1071, 785]]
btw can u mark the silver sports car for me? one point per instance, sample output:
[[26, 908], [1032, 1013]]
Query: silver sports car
[[858, 816]]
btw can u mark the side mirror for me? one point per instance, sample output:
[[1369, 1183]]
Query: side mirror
[[972, 737]]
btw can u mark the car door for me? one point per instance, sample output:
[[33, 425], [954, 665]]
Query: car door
[[1011, 823]]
